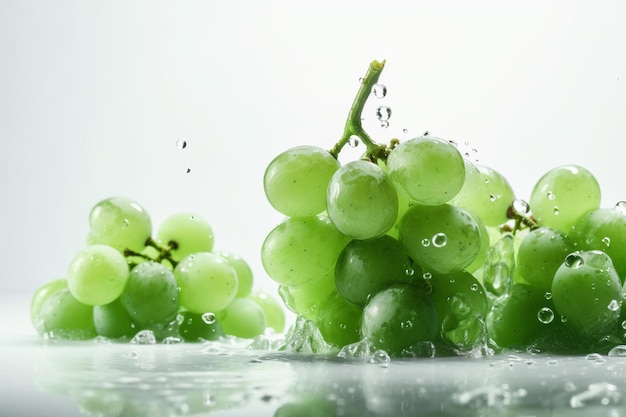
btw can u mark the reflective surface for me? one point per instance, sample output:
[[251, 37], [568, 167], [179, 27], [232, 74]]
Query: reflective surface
[[99, 378]]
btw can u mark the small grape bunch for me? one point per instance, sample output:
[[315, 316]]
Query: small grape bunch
[[126, 282]]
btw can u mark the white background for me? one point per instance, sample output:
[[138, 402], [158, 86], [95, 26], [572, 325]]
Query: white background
[[95, 95]]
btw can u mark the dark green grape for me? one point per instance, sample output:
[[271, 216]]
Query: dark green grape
[[339, 321], [64, 317], [112, 320], [196, 327]]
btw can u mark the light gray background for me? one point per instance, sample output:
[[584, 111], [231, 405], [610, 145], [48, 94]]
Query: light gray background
[[94, 96]]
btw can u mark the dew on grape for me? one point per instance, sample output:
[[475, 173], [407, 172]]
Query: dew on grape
[[425, 242], [550, 195], [548, 295], [474, 287], [545, 315], [607, 241], [379, 90], [410, 271], [428, 275], [208, 318], [614, 305], [181, 144], [492, 197], [440, 240], [556, 211], [574, 261]]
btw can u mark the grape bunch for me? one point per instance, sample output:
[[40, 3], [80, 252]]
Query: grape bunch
[[127, 285], [415, 250]]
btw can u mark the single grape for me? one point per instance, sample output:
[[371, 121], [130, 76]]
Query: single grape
[[563, 195], [588, 292], [443, 239], [186, 233], [273, 310], [362, 202], [97, 275], [244, 273], [62, 316], [339, 321], [207, 282], [305, 299], [427, 170], [540, 254], [151, 294], [365, 267], [603, 229], [121, 223], [301, 249], [485, 244], [486, 192], [244, 318], [399, 317], [196, 327], [42, 294], [112, 320], [295, 182]]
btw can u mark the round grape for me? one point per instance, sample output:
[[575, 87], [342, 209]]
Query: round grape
[[186, 233], [244, 318], [244, 273], [62, 316]]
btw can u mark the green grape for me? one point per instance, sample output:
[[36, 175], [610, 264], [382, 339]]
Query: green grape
[[427, 170], [244, 273], [540, 254], [485, 244], [604, 229], [273, 310], [301, 249], [499, 269], [151, 294], [403, 206], [486, 192], [398, 318], [365, 267], [244, 318], [97, 275], [121, 223], [563, 195], [305, 300], [186, 233], [587, 291], [207, 282], [295, 182], [112, 320], [196, 327], [42, 294], [442, 239], [523, 317], [362, 202], [339, 321], [64, 317]]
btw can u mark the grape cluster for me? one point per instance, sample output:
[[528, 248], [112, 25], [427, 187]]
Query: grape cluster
[[125, 284], [416, 250]]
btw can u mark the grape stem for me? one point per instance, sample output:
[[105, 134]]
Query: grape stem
[[164, 252], [354, 126]]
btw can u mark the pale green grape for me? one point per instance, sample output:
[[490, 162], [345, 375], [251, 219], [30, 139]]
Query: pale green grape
[[295, 182], [563, 195], [187, 233], [540, 254], [339, 321], [207, 282], [301, 249], [42, 294], [365, 267], [112, 320], [587, 291], [427, 170], [305, 299], [243, 317], [485, 244], [64, 317], [486, 192], [244, 273], [362, 202], [274, 312], [151, 294], [121, 223], [603, 229], [399, 317], [97, 275], [442, 239]]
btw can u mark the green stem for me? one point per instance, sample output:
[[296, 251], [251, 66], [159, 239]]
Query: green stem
[[354, 126]]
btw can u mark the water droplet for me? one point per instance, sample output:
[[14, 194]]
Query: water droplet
[[428, 275], [144, 337], [520, 206], [187, 170], [474, 287], [492, 197], [607, 241], [547, 295], [405, 130], [624, 325], [563, 319], [425, 242], [181, 144], [353, 141], [410, 271], [545, 315], [379, 90], [614, 305], [556, 211], [595, 358], [574, 261], [380, 357], [208, 318], [620, 207], [361, 80], [550, 195], [384, 124], [343, 326], [552, 362], [406, 325], [618, 351], [440, 240], [383, 113]]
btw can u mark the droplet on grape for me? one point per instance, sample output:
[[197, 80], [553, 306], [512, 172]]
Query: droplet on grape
[[410, 271], [520, 206], [574, 261], [550, 195], [492, 197], [439, 240], [208, 318], [181, 144], [406, 325], [379, 90], [618, 351], [556, 211], [474, 287], [614, 305], [548, 295], [425, 242], [607, 241], [428, 275], [383, 113], [545, 315], [353, 141]]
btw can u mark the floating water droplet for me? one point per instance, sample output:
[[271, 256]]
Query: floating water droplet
[[607, 241], [187, 170], [425, 242], [440, 240], [405, 130], [384, 124], [520, 206], [574, 261], [353, 141], [379, 90], [181, 144], [614, 305], [545, 315], [620, 207], [550, 195], [383, 113], [144, 337], [380, 357], [208, 318]]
